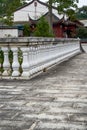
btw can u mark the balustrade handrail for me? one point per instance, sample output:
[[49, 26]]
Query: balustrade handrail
[[27, 41], [38, 53]]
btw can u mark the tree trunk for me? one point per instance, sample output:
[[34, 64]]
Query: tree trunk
[[50, 13]]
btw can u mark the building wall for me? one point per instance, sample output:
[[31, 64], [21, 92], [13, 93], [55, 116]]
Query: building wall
[[8, 32], [58, 31], [84, 22], [22, 15]]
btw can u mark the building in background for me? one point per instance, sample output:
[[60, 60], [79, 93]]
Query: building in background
[[7, 31], [31, 13], [34, 9], [84, 21]]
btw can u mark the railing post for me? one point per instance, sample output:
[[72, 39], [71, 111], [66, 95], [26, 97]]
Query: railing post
[[15, 64], [25, 63], [6, 64]]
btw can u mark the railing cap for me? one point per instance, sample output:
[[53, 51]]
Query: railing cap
[[26, 41]]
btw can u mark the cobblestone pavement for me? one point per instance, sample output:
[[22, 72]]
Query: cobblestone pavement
[[53, 100]]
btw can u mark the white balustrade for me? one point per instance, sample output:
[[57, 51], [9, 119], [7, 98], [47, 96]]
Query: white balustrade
[[25, 64], [39, 54], [6, 63], [15, 64]]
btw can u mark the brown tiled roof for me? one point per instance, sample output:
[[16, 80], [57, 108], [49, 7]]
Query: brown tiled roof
[[55, 19], [69, 22]]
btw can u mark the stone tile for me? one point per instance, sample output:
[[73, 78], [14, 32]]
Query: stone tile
[[54, 100]]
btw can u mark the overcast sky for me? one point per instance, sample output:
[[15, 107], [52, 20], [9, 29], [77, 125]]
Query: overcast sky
[[81, 2]]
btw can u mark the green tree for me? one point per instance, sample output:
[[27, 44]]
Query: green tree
[[82, 32], [26, 30], [43, 29], [8, 20], [7, 7], [67, 7], [82, 13]]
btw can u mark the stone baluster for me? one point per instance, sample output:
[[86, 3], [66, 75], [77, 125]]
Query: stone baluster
[[31, 59], [33, 55], [52, 54], [37, 55], [41, 53], [45, 53], [37, 59], [6, 63], [15, 64], [34, 60], [30, 56], [25, 63], [51, 50], [48, 52], [56, 49], [62, 49]]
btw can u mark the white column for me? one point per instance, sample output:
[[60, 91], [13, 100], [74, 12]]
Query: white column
[[6, 63], [30, 57], [33, 55], [39, 55], [15, 64], [25, 63]]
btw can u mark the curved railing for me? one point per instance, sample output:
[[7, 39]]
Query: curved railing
[[31, 55]]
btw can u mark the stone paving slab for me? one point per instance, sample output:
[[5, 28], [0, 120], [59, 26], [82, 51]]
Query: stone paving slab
[[54, 100]]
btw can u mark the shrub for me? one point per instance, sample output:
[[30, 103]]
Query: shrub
[[81, 32], [43, 29], [26, 30]]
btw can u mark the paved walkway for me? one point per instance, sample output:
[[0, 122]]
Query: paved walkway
[[54, 100]]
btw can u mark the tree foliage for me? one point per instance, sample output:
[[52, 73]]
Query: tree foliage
[[7, 7], [82, 13], [66, 7], [82, 32], [26, 30], [43, 29]]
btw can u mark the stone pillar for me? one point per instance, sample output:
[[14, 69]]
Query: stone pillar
[[15, 64], [6, 63], [25, 63]]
